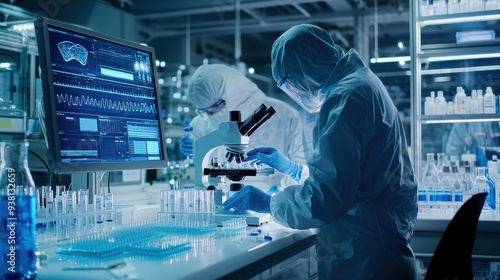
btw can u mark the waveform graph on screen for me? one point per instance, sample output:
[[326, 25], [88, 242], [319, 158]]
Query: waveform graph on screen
[[75, 93], [96, 103]]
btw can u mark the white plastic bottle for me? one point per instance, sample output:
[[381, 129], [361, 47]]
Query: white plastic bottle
[[460, 101], [453, 7], [474, 106], [490, 5], [489, 102], [450, 108], [429, 106], [440, 104], [480, 101], [467, 104]]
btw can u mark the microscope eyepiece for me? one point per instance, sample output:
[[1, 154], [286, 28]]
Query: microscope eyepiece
[[235, 116], [258, 118], [270, 113]]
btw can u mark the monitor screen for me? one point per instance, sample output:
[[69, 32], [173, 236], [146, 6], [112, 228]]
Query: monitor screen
[[101, 101]]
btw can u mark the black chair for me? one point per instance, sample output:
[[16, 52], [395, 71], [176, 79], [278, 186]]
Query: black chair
[[453, 256]]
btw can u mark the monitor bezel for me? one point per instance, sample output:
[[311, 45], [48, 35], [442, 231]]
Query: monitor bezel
[[54, 155]]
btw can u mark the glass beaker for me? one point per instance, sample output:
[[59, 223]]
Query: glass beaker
[[483, 183], [17, 212]]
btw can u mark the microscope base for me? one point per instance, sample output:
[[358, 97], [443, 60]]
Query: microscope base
[[252, 218]]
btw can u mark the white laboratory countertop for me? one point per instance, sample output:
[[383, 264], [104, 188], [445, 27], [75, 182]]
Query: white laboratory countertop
[[237, 257]]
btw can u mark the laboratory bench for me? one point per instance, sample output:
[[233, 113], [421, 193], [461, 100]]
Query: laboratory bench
[[290, 253]]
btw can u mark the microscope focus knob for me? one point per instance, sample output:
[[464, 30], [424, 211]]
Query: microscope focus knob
[[224, 128]]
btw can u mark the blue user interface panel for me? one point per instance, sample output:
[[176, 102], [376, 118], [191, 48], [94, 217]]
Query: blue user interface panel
[[105, 100]]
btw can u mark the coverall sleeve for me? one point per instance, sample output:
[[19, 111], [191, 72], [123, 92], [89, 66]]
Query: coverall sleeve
[[345, 124]]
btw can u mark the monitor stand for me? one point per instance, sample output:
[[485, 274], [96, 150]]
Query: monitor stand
[[252, 218], [88, 181]]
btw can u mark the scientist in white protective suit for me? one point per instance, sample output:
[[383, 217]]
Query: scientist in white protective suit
[[362, 192], [216, 89]]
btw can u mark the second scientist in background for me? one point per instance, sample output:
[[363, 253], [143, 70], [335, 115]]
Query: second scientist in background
[[216, 89]]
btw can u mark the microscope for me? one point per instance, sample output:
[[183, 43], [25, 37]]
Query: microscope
[[234, 135]]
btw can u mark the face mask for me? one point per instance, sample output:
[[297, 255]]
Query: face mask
[[310, 102]]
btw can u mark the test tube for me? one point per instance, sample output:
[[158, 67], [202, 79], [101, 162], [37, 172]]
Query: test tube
[[82, 205], [91, 224], [172, 204], [99, 207], [71, 202], [190, 200], [83, 201], [60, 210], [180, 206], [108, 201], [37, 204], [46, 189], [163, 200], [203, 204], [41, 199], [49, 202], [50, 212], [60, 200], [71, 210], [108, 204]]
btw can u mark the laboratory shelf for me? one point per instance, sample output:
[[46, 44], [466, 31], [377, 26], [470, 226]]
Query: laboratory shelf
[[461, 70], [458, 18], [449, 54], [436, 119], [467, 59]]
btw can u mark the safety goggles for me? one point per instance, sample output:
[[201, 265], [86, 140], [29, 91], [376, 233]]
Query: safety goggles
[[213, 109]]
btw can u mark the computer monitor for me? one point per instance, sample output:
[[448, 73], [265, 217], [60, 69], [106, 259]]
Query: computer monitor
[[101, 101]]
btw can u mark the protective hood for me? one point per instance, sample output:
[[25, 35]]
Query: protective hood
[[305, 67], [212, 82]]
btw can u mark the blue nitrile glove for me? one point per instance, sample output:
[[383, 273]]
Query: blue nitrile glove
[[249, 198], [187, 144], [273, 190], [275, 159]]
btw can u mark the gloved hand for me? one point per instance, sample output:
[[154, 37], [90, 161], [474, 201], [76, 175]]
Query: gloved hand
[[273, 190], [249, 198], [275, 159], [187, 144]]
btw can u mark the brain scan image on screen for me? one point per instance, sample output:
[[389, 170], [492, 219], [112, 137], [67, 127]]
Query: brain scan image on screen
[[70, 51]]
